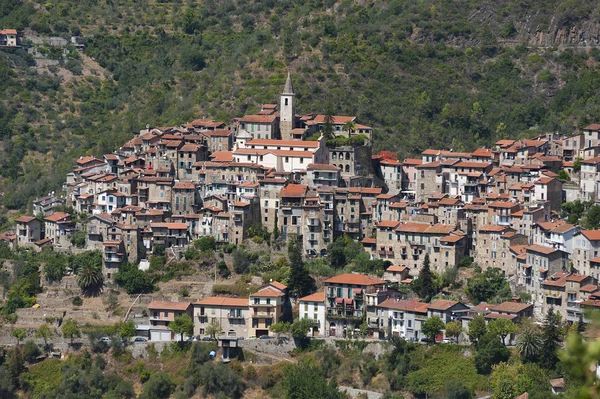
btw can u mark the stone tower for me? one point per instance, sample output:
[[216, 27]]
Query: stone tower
[[287, 113]]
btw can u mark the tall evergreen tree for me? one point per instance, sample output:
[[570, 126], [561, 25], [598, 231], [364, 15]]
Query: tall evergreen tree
[[551, 339], [300, 283], [424, 285]]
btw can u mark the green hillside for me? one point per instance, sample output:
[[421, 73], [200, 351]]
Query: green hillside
[[442, 73]]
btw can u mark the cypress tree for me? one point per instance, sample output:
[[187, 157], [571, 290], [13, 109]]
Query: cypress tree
[[300, 282], [551, 339], [425, 286]]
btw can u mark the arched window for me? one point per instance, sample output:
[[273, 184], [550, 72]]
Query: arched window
[[333, 155], [347, 156], [286, 101], [347, 168]]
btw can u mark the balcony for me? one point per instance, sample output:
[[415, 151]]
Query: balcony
[[235, 316], [313, 221], [262, 315]]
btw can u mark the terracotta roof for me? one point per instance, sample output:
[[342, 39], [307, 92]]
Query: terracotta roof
[[541, 249], [184, 185], [173, 226], [408, 305], [217, 133], [396, 269], [169, 305], [268, 292], [223, 301], [442, 304], [55, 217], [592, 235], [283, 143], [510, 307], [413, 227], [259, 118], [495, 315], [589, 288], [472, 165], [294, 190], [316, 297], [369, 240], [354, 279], [451, 238], [493, 228], [322, 166], [222, 156], [336, 119], [593, 126], [412, 161], [24, 219], [388, 224]]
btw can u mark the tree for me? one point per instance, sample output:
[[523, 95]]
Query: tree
[[563, 175], [214, 328], [488, 286], [305, 381], [44, 332], [551, 339], [183, 325], [220, 381], [529, 344], [19, 334], [424, 284], [31, 351], [453, 329], [88, 268], [158, 386], [456, 389], [134, 280], [126, 329], [300, 283], [300, 328], [591, 220], [502, 328], [432, 327], [70, 329], [279, 328], [241, 262], [54, 269], [206, 243], [490, 351], [7, 388]]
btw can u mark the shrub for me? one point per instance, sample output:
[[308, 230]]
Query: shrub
[[77, 301]]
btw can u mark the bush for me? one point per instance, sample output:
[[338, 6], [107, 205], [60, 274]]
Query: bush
[[224, 271], [31, 351], [77, 301], [206, 243]]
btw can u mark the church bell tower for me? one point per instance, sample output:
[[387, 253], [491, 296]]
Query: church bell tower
[[287, 110]]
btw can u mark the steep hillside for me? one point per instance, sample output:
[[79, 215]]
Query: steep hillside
[[434, 73]]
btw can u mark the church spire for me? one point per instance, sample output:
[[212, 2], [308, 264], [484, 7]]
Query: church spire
[[288, 88]]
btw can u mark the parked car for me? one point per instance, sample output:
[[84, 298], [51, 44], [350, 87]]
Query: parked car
[[140, 339], [448, 341], [427, 340], [209, 339], [192, 339], [266, 337], [106, 340], [251, 338]]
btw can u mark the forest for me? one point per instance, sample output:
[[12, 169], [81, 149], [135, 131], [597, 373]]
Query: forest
[[426, 74]]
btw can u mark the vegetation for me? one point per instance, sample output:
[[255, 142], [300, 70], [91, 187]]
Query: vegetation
[[182, 325], [424, 285], [489, 286], [70, 330]]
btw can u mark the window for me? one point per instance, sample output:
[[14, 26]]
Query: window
[[306, 307], [268, 301], [287, 159], [257, 301], [166, 314], [254, 323], [349, 292], [286, 101]]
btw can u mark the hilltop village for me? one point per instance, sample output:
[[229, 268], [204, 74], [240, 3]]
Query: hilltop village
[[315, 177]]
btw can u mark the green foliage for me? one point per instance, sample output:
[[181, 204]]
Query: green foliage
[[159, 386], [489, 286], [432, 327], [31, 351], [453, 329], [424, 285], [182, 325], [43, 379], [44, 332], [223, 270], [572, 212], [591, 220], [213, 329], [88, 268], [490, 351], [241, 261], [456, 389], [502, 328], [206, 243], [300, 327], [300, 283], [70, 330], [563, 176], [552, 338], [78, 238], [304, 381], [134, 280], [529, 344], [220, 380], [77, 301], [440, 365], [55, 268], [19, 334], [511, 380]]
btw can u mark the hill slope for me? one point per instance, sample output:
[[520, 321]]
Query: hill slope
[[441, 73]]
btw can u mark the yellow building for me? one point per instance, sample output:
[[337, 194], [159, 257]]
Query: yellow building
[[266, 308]]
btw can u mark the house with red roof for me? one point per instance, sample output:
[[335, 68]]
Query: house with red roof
[[232, 314], [9, 38], [346, 299], [162, 314], [268, 305]]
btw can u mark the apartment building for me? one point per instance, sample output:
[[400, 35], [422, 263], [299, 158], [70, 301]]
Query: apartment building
[[313, 307], [162, 314], [232, 314], [267, 306]]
